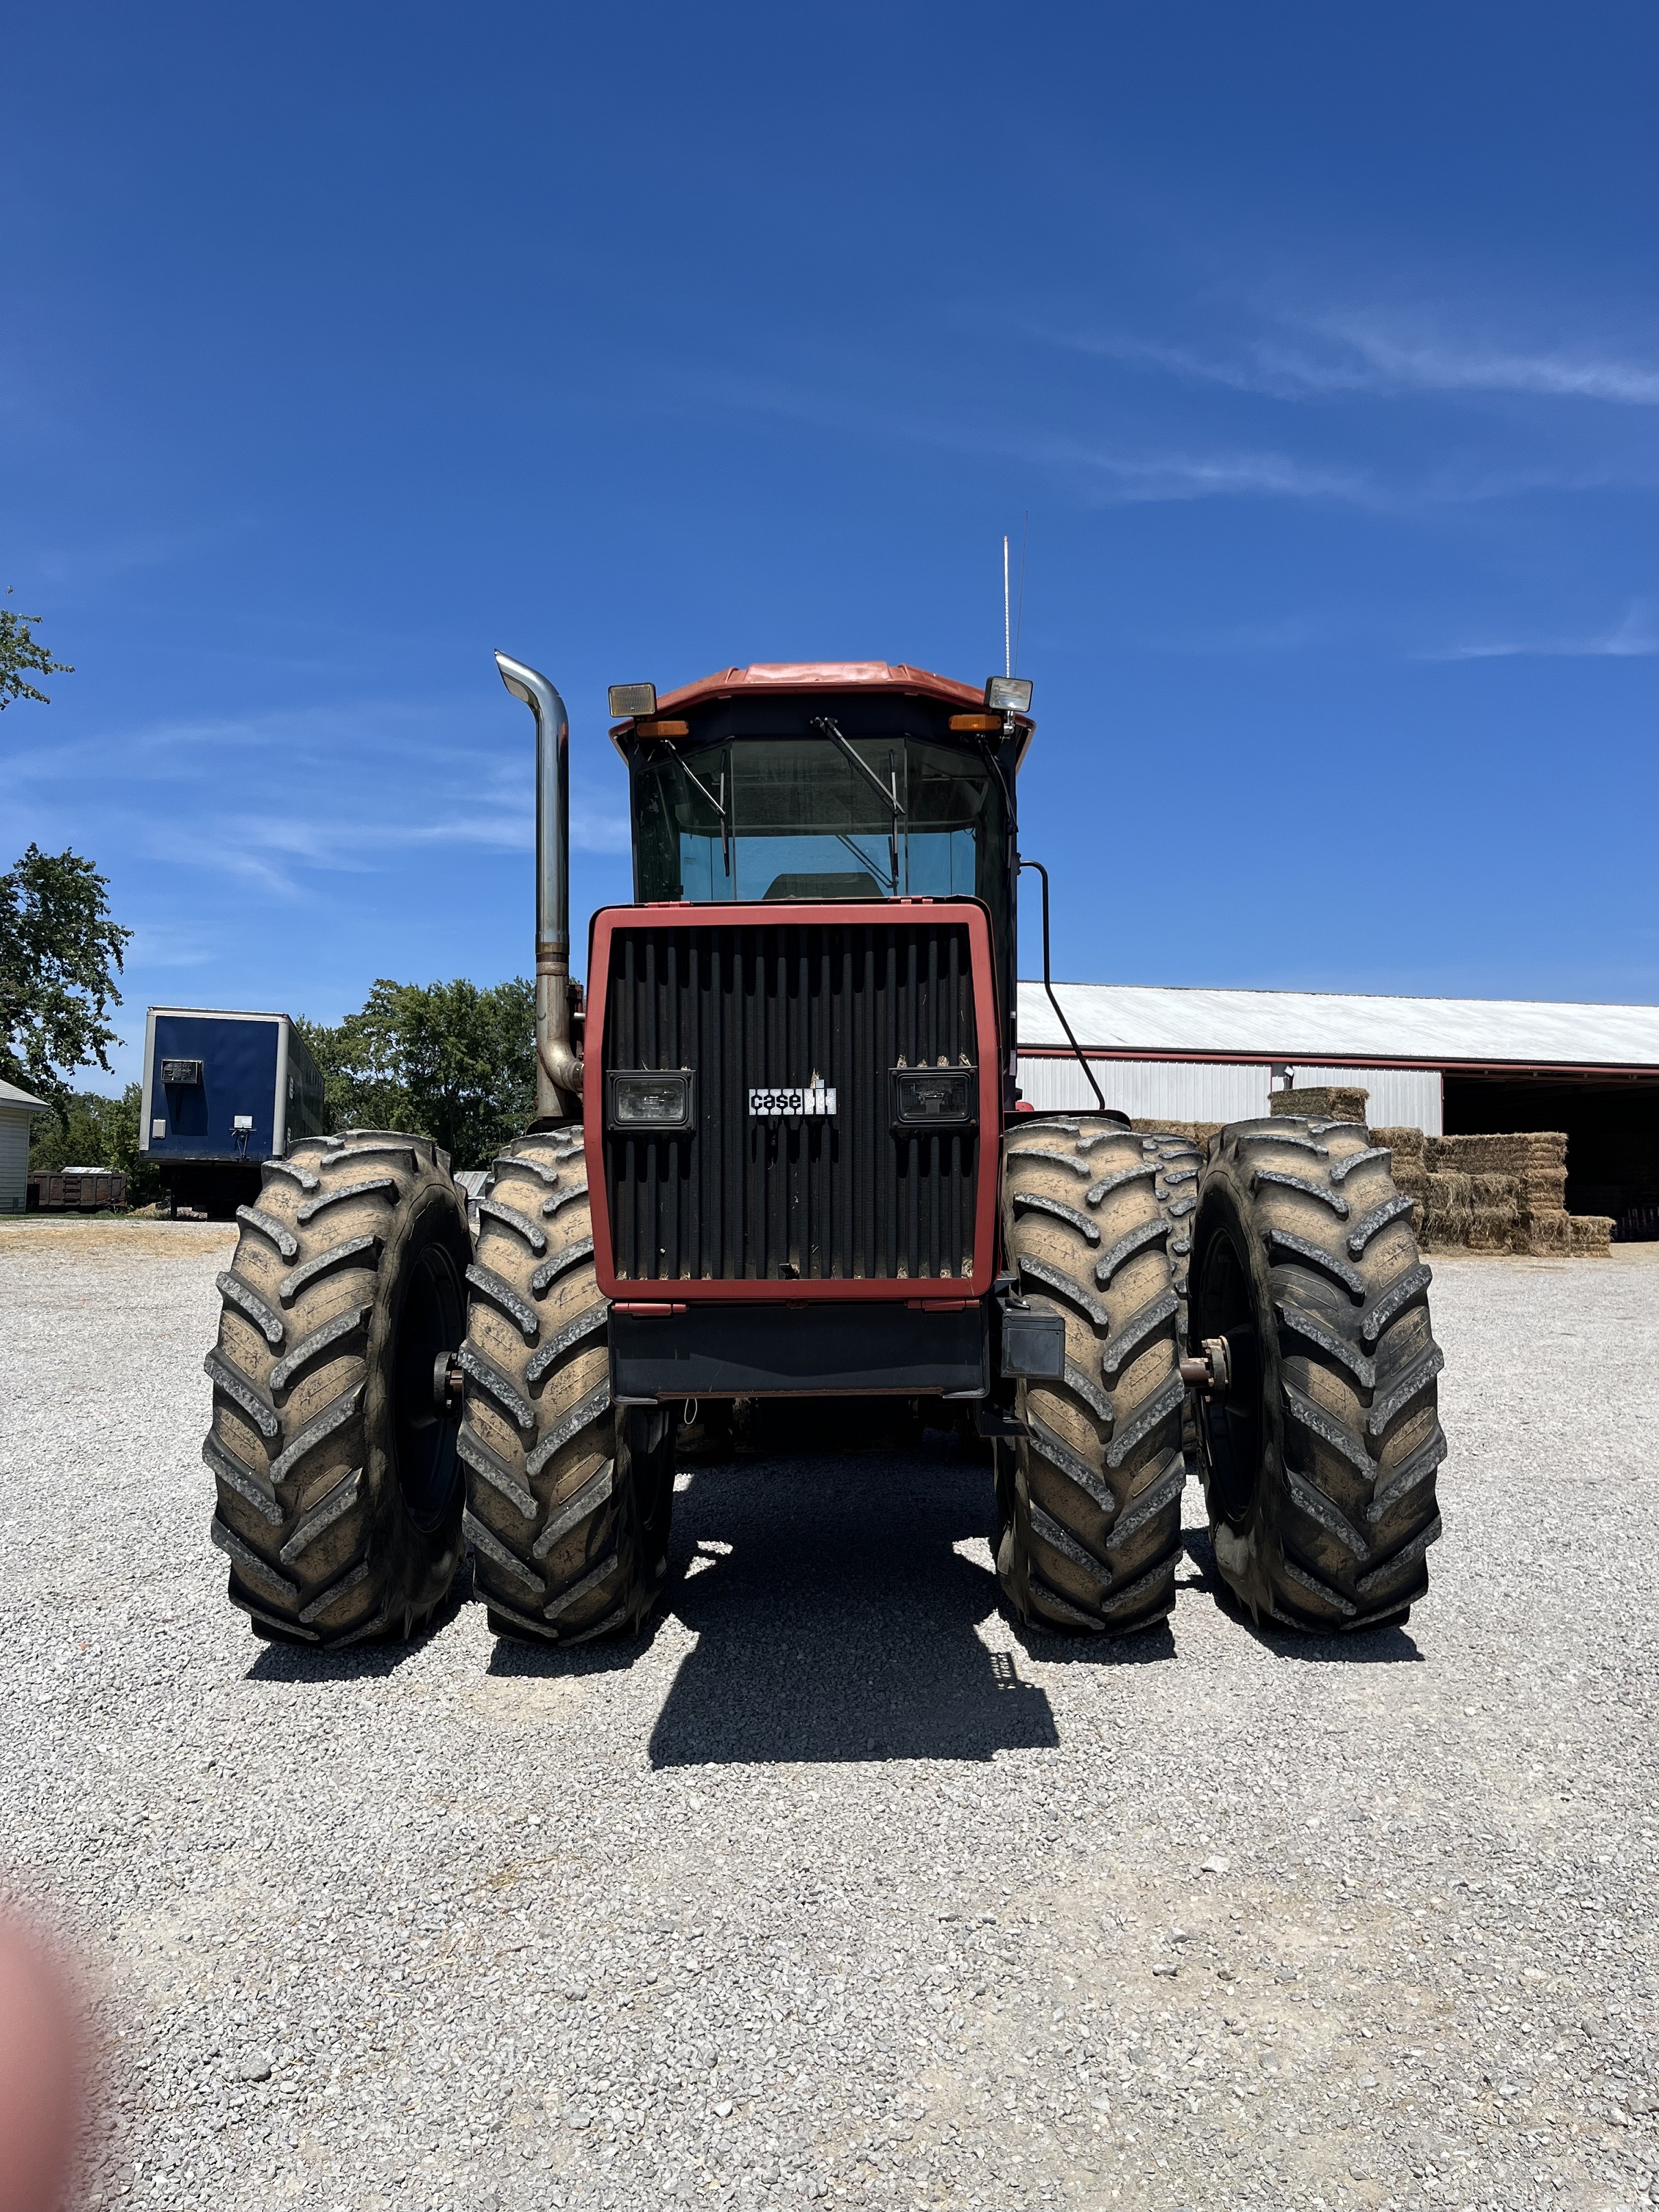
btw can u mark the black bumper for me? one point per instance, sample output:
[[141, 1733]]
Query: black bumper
[[771, 1350]]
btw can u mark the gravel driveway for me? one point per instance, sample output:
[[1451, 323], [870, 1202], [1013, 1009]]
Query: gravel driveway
[[838, 1885]]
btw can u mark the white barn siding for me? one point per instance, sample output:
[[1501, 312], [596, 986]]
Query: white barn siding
[[1223, 1090], [1151, 1090], [14, 1158], [1401, 1098]]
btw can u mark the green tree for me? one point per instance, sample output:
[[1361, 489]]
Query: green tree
[[92, 1131], [362, 1090], [59, 952], [447, 1061], [19, 649]]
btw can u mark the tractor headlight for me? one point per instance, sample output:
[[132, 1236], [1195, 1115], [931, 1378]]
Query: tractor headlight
[[626, 699], [1008, 694], [648, 1100], [934, 1097]]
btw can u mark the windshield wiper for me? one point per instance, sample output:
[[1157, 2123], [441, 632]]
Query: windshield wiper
[[832, 730], [719, 805]]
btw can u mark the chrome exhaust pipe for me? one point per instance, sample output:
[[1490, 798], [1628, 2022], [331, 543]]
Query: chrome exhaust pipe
[[558, 1069]]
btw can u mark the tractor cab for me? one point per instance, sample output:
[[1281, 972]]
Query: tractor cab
[[808, 785]]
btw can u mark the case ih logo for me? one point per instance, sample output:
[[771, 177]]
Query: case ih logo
[[812, 1099]]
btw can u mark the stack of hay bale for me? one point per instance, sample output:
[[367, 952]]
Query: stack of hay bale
[[1518, 1188], [1410, 1169], [1493, 1194], [1486, 1193]]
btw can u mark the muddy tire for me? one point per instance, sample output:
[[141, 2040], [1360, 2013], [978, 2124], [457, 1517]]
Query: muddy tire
[[1089, 1501], [568, 1497], [1319, 1463], [1179, 1164], [339, 1490]]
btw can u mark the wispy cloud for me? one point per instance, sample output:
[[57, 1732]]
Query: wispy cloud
[[276, 799], [171, 945], [1327, 355], [1415, 362], [1637, 637], [1110, 472], [1222, 475]]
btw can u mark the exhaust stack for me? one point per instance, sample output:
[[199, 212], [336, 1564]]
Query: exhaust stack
[[558, 1069]]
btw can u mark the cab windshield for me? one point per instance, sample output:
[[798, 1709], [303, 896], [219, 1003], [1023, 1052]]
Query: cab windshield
[[818, 818]]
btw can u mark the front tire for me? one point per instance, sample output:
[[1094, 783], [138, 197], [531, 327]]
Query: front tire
[[1319, 1459], [569, 1498], [1089, 1500], [339, 1491]]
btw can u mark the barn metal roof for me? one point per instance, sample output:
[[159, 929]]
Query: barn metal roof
[[1326, 1029]]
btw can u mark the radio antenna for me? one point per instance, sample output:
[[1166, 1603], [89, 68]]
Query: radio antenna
[[1020, 618], [1007, 652]]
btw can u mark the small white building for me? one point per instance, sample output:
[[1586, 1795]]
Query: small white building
[[17, 1111]]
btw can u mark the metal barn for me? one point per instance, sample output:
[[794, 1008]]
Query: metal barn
[[1450, 1067]]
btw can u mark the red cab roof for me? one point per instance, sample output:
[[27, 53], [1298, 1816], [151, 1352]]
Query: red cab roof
[[761, 676], [823, 676]]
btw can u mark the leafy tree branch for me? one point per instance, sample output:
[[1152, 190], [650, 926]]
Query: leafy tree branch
[[20, 650], [59, 954]]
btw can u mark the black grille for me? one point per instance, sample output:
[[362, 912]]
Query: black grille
[[781, 1004]]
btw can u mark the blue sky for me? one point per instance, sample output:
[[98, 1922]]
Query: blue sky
[[340, 345]]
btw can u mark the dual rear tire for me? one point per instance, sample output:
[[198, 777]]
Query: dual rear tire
[[332, 1447], [351, 1476], [569, 1497], [1319, 1459], [1317, 1456], [1089, 1497]]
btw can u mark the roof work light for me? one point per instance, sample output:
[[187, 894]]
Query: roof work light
[[1008, 694], [632, 699]]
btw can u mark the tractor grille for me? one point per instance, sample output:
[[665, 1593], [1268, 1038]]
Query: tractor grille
[[775, 1005]]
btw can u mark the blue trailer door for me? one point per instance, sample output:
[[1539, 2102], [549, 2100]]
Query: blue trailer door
[[210, 1071]]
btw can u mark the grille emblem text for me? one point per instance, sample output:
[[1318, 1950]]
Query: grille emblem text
[[786, 1102]]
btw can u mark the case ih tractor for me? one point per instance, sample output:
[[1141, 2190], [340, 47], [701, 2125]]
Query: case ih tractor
[[779, 1153]]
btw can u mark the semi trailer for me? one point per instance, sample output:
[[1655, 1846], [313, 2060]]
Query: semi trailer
[[222, 1093]]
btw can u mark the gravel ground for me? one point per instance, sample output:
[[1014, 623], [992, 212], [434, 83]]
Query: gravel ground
[[837, 1886]]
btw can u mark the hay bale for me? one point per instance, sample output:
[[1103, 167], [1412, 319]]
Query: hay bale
[[1492, 1229], [1591, 1235], [1542, 1193], [1415, 1188], [1409, 1147], [1324, 1102], [1549, 1236], [1524, 1152], [1448, 1211]]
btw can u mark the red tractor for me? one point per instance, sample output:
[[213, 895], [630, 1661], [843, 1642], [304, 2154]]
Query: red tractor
[[779, 1153]]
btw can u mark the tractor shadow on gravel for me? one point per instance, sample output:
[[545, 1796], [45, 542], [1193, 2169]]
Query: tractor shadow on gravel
[[1375, 1647], [836, 1619]]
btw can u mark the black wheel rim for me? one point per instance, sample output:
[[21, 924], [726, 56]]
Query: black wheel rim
[[430, 1326], [1223, 1304]]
